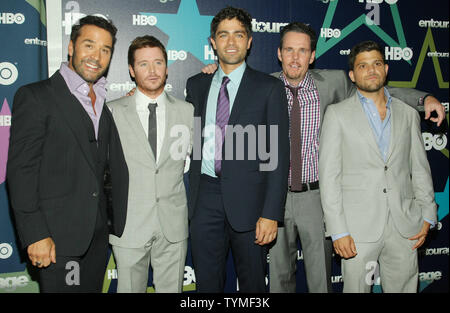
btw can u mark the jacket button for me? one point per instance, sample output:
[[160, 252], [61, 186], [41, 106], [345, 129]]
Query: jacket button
[[384, 190], [157, 200], [95, 194], [156, 172], [385, 168]]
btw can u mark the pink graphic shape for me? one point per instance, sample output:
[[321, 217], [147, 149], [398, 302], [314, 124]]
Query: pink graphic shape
[[5, 118]]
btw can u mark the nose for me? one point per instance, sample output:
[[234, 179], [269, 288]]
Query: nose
[[370, 68], [96, 55], [231, 40]]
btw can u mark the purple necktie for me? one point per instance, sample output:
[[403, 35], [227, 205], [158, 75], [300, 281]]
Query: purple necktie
[[296, 142], [222, 116]]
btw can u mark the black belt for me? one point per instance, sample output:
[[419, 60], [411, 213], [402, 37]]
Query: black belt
[[307, 186]]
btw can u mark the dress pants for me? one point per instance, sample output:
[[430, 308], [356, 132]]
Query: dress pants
[[212, 236], [303, 218], [167, 260], [398, 265], [81, 274]]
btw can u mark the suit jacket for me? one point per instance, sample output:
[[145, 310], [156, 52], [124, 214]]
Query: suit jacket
[[154, 185], [334, 86], [56, 168], [358, 187], [248, 193]]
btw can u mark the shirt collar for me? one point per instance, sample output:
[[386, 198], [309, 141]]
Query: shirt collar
[[76, 83], [363, 99], [235, 76], [143, 100], [307, 83]]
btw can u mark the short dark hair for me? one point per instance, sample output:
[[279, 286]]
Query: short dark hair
[[299, 27], [364, 46], [229, 13], [142, 42], [96, 21]]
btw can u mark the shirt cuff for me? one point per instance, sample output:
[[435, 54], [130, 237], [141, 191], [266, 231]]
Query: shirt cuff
[[339, 236], [433, 224], [422, 99]]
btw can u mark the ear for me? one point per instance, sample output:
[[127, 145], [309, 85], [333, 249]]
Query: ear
[[279, 54], [351, 75], [386, 68], [213, 43], [313, 57], [249, 42], [130, 68], [70, 49]]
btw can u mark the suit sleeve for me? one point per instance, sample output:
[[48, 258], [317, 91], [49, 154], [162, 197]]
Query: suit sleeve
[[278, 165], [330, 174], [421, 173], [189, 92], [408, 95], [119, 180], [27, 139]]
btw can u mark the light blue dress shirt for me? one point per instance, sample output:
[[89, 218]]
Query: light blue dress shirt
[[210, 119], [381, 130]]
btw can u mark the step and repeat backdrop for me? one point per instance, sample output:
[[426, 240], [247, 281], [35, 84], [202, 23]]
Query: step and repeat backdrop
[[415, 34]]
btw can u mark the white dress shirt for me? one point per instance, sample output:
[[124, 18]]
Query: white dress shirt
[[142, 102]]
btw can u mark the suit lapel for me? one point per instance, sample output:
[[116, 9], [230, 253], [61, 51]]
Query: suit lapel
[[397, 120], [133, 120], [242, 96], [322, 90], [75, 116], [170, 116], [360, 122]]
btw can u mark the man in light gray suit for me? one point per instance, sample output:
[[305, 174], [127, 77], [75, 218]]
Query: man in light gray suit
[[150, 123], [375, 180]]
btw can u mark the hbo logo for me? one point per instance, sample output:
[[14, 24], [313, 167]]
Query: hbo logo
[[143, 20], [6, 250], [330, 33], [8, 73], [11, 18], [437, 141], [397, 53], [174, 55]]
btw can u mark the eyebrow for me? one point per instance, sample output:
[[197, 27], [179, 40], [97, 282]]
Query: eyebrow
[[233, 31], [162, 60], [92, 41], [377, 60]]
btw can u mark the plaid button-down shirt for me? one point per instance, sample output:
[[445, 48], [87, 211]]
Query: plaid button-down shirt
[[308, 98]]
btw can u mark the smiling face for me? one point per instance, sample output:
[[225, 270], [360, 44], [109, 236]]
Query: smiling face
[[149, 71], [91, 54], [231, 43], [296, 56], [369, 71]]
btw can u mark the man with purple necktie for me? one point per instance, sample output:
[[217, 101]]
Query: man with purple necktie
[[238, 184]]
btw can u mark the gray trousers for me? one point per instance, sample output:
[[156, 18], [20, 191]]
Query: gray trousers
[[398, 268], [303, 218], [167, 260]]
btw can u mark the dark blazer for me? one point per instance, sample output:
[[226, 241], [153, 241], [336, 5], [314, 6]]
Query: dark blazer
[[248, 193], [56, 168]]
